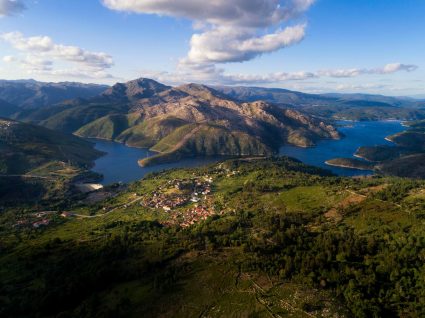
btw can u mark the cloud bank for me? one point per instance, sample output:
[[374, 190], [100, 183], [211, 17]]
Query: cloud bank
[[213, 75], [11, 7], [41, 52], [228, 30]]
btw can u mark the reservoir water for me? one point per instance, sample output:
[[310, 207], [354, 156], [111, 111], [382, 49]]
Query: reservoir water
[[368, 133], [120, 162]]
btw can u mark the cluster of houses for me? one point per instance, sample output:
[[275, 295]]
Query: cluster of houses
[[40, 219], [164, 201], [179, 192], [36, 220], [186, 218], [195, 215]]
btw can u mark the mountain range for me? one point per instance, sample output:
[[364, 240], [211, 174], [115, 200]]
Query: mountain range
[[336, 106], [194, 119], [31, 94], [182, 121]]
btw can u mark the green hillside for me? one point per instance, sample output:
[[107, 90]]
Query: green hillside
[[72, 118], [379, 153], [410, 139], [25, 147], [272, 238]]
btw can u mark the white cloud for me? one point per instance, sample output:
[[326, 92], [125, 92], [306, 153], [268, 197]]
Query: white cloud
[[227, 44], [210, 74], [231, 30], [9, 59], [241, 13], [353, 72], [395, 67], [11, 7], [36, 63], [41, 52]]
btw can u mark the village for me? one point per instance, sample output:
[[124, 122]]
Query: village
[[186, 201], [178, 193]]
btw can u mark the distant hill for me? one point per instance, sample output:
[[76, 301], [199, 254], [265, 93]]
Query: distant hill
[[30, 94], [336, 106], [24, 147], [274, 95]]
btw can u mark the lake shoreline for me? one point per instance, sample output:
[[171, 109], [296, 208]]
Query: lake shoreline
[[357, 134], [347, 167]]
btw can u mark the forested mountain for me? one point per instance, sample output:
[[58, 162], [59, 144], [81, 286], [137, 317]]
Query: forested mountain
[[31, 94], [25, 147]]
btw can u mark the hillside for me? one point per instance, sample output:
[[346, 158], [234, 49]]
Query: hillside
[[7, 109], [193, 120], [274, 95], [30, 94], [25, 147], [270, 238]]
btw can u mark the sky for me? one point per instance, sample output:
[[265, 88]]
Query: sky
[[316, 46]]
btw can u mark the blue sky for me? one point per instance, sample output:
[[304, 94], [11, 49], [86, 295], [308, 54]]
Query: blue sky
[[371, 46]]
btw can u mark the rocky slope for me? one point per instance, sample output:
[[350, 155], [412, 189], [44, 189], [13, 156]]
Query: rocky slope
[[197, 120]]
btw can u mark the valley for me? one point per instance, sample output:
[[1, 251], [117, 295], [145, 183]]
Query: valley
[[212, 159], [198, 190]]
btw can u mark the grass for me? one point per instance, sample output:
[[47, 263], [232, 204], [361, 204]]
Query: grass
[[303, 199]]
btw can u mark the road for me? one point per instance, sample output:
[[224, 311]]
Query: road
[[110, 211]]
